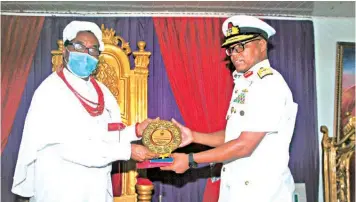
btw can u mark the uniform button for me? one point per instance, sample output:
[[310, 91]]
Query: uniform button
[[242, 113], [247, 182], [224, 169]]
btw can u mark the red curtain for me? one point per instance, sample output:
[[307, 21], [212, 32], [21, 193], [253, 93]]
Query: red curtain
[[19, 37], [196, 70]]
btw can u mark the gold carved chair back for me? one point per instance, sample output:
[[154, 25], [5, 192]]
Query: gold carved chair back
[[338, 164]]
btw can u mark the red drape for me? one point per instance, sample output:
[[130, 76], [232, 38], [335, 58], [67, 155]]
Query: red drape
[[195, 66], [19, 37]]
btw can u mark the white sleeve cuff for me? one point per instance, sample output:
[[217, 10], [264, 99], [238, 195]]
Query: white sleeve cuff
[[129, 134], [121, 151], [95, 153]]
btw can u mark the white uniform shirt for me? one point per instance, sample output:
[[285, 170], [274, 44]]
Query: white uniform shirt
[[66, 154], [260, 105]]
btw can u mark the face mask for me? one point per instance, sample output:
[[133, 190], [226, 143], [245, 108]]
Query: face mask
[[81, 64]]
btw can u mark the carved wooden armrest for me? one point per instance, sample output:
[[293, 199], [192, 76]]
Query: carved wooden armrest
[[144, 189]]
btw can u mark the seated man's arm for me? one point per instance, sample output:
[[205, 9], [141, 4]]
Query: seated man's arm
[[129, 133], [94, 153], [80, 146]]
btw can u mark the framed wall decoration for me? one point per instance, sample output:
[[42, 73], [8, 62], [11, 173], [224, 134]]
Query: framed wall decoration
[[344, 86]]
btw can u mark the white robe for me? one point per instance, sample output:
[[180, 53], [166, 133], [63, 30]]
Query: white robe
[[66, 154]]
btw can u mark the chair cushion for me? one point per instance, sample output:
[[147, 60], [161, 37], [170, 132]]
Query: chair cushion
[[143, 181], [116, 184]]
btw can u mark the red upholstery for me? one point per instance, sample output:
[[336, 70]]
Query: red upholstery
[[143, 181], [116, 184], [211, 193]]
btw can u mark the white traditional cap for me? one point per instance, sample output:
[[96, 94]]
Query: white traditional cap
[[240, 28], [71, 30]]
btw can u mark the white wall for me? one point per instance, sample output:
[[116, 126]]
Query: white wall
[[328, 31]]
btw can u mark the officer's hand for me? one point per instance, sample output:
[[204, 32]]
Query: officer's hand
[[187, 134], [180, 163], [143, 125], [141, 153]]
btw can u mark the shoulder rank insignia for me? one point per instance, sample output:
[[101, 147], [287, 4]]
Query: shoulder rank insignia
[[264, 71]]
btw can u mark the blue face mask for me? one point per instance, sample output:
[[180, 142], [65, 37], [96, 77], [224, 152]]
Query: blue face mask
[[81, 64]]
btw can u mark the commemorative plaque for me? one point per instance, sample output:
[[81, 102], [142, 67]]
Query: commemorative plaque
[[162, 137]]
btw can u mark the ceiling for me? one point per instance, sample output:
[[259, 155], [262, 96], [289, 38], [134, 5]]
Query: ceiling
[[200, 8]]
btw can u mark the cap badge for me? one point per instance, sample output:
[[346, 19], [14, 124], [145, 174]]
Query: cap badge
[[232, 30]]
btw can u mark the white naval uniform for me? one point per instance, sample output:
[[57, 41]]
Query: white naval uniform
[[260, 105], [66, 154]]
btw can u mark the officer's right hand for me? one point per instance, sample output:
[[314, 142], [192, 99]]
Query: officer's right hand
[[141, 153], [187, 134]]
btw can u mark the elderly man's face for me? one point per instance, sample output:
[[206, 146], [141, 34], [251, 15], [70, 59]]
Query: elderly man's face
[[87, 39], [253, 53]]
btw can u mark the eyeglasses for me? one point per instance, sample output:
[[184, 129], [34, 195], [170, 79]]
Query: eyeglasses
[[240, 47], [81, 48]]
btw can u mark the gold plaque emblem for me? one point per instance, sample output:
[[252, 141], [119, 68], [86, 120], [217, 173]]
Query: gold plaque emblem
[[161, 137]]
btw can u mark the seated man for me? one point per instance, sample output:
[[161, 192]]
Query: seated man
[[73, 130]]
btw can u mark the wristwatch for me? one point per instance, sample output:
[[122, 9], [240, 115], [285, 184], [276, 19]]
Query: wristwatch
[[192, 163]]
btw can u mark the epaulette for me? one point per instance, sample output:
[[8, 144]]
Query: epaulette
[[264, 71]]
